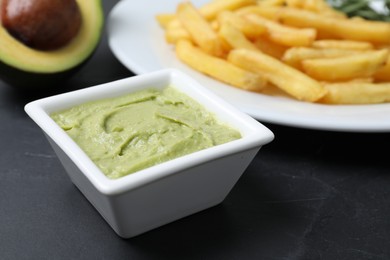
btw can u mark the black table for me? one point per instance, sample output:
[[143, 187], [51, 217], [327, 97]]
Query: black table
[[307, 195]]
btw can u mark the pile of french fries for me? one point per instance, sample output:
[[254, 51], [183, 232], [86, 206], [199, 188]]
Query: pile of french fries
[[303, 49]]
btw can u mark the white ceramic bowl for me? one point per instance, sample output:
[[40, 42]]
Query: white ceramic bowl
[[155, 196]]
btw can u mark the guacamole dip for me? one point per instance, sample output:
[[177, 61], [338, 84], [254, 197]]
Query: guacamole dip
[[132, 132]]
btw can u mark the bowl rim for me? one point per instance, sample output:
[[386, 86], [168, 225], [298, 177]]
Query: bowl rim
[[254, 134]]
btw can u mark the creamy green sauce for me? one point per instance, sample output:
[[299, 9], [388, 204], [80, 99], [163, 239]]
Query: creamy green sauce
[[129, 133]]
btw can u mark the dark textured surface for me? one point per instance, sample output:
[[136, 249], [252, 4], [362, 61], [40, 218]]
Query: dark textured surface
[[307, 195]]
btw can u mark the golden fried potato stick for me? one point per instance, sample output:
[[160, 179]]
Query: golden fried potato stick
[[211, 10], [356, 93], [251, 30], [342, 44], [218, 68], [175, 31], [199, 29], [295, 55], [235, 38], [282, 34], [295, 3], [350, 29], [291, 80], [269, 47], [343, 68], [256, 9], [271, 2], [383, 74], [164, 19]]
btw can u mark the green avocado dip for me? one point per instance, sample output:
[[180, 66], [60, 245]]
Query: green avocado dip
[[129, 133]]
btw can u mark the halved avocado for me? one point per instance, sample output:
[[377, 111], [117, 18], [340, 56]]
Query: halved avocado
[[22, 66]]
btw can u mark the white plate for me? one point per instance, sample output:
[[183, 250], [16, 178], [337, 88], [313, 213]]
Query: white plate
[[138, 42]]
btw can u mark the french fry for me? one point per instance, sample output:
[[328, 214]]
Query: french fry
[[284, 35], [271, 48], [211, 10], [343, 44], [295, 55], [358, 80], [344, 68], [271, 2], [218, 68], [383, 74], [175, 31], [199, 29], [214, 25], [257, 9], [356, 93], [295, 3], [358, 30], [292, 81], [273, 90], [235, 38], [250, 30], [164, 19]]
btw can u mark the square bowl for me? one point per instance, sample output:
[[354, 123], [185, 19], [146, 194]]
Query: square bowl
[[163, 193]]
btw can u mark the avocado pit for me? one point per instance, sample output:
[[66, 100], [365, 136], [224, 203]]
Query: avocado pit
[[41, 24]]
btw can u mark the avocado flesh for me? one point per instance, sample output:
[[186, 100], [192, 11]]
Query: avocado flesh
[[20, 64]]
